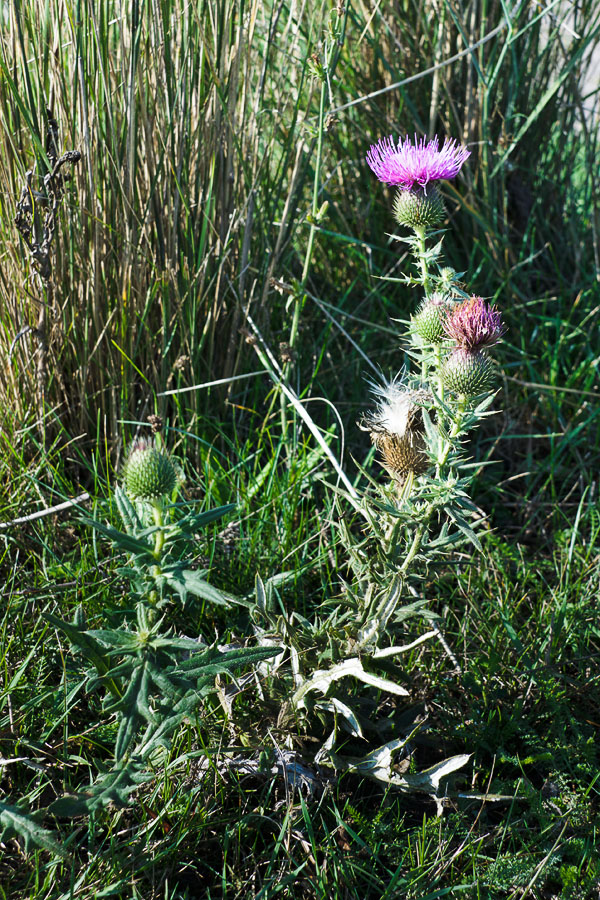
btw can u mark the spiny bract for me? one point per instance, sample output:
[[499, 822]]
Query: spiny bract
[[149, 474], [467, 372], [417, 208]]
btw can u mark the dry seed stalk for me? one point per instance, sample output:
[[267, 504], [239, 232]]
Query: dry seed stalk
[[38, 234]]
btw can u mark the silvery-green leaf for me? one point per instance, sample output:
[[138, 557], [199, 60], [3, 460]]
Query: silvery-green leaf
[[266, 668], [127, 511], [380, 616], [395, 651], [430, 429], [414, 609], [464, 527], [428, 781], [261, 596], [378, 763], [334, 704], [323, 679]]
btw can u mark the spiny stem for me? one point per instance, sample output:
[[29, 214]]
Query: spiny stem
[[417, 541], [423, 527], [159, 537], [421, 255], [438, 370], [454, 432]]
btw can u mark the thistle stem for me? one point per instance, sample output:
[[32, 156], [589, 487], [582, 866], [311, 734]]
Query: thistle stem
[[423, 527], [438, 369], [454, 432], [421, 254], [159, 537], [416, 542]]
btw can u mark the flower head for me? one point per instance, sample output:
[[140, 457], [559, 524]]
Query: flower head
[[408, 165], [396, 428], [474, 324], [149, 474], [467, 372], [428, 322], [395, 408]]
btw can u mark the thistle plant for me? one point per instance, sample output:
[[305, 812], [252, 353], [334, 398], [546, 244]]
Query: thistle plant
[[151, 678], [422, 511], [421, 420]]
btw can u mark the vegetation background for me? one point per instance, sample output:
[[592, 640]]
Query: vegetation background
[[211, 135]]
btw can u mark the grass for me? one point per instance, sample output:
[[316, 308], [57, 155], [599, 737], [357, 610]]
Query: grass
[[209, 146]]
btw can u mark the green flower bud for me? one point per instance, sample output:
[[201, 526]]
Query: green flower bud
[[416, 208], [447, 276], [149, 474], [428, 321], [467, 372]]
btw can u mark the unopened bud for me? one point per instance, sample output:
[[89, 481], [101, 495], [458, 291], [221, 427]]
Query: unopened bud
[[428, 321], [467, 372], [149, 474]]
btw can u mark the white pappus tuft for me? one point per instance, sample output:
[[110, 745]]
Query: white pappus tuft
[[394, 406]]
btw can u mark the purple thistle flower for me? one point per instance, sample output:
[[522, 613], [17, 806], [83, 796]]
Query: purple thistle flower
[[474, 324], [411, 164]]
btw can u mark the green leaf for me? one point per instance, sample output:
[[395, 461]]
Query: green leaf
[[127, 640], [169, 689], [93, 651], [127, 511], [16, 822], [112, 788], [120, 539], [187, 581], [464, 527], [212, 661], [210, 515]]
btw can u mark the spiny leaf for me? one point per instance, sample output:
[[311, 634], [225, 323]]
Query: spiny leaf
[[93, 651], [322, 679], [16, 822], [214, 662], [127, 511], [464, 527], [112, 788], [210, 515], [121, 539], [187, 581]]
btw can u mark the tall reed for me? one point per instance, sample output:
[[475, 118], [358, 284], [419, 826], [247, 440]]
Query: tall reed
[[199, 127], [186, 116]]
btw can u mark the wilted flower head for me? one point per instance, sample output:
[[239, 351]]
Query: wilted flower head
[[395, 408], [408, 165], [474, 324], [396, 428]]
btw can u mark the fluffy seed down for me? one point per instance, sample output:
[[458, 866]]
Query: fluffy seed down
[[396, 429]]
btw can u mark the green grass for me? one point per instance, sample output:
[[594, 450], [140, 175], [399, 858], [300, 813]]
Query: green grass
[[200, 127]]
